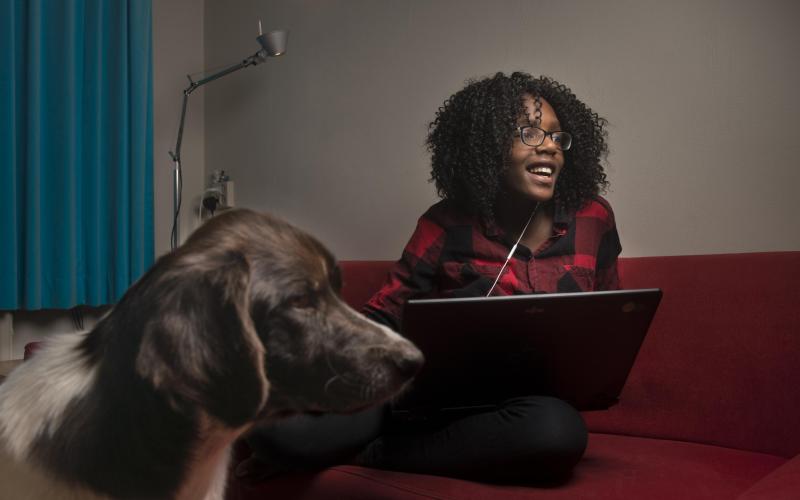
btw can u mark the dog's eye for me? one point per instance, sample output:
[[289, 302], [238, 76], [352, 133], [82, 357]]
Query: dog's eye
[[303, 301]]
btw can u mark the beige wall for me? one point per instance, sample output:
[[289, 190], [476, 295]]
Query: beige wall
[[701, 97], [177, 51]]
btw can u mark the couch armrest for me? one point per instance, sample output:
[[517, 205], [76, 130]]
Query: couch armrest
[[783, 482]]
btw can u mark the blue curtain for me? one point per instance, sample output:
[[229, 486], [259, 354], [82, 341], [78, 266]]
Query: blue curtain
[[76, 201]]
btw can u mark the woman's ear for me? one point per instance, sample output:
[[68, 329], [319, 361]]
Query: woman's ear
[[202, 347]]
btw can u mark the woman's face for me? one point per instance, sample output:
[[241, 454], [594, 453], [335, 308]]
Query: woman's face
[[534, 170]]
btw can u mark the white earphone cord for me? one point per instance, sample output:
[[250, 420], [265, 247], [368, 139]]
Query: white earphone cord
[[513, 249]]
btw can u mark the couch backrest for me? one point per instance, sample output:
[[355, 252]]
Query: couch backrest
[[362, 278], [721, 363]]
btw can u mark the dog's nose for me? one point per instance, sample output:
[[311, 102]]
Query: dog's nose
[[409, 361]]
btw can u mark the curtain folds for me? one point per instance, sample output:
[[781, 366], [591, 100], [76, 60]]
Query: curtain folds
[[76, 201]]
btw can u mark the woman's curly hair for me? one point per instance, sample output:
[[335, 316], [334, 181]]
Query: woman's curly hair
[[470, 142]]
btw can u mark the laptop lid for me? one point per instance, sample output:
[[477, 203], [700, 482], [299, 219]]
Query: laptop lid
[[479, 351]]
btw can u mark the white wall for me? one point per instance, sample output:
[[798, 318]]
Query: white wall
[[700, 95]]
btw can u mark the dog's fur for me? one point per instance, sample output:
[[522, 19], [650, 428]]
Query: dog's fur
[[241, 324]]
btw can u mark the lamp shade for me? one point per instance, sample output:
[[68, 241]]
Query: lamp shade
[[274, 42]]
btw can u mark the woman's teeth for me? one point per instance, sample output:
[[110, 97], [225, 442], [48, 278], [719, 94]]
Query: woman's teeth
[[545, 171]]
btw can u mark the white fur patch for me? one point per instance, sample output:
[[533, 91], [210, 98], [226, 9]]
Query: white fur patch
[[35, 395]]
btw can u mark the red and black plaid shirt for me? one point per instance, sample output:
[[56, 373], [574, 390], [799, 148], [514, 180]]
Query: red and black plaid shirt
[[452, 254]]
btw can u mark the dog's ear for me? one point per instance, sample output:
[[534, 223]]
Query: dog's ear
[[202, 348]]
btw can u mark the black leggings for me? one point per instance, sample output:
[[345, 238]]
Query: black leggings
[[532, 438]]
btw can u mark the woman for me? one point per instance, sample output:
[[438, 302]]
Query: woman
[[517, 163]]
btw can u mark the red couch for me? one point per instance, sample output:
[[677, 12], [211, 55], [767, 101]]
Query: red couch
[[710, 410]]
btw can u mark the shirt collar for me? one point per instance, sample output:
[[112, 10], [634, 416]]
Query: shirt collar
[[561, 219]]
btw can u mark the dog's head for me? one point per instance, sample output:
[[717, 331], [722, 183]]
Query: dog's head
[[245, 321]]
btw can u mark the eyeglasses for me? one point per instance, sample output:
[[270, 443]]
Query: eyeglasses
[[534, 136]]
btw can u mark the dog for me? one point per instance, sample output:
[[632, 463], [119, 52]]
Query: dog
[[242, 324]]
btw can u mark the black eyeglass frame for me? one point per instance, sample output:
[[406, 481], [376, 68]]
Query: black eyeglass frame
[[545, 134]]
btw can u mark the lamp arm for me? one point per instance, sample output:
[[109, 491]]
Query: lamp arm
[[250, 61]]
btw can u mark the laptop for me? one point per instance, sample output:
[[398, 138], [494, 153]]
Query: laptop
[[480, 351]]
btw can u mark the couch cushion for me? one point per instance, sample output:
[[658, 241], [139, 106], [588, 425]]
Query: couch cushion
[[722, 348], [783, 482], [614, 467]]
